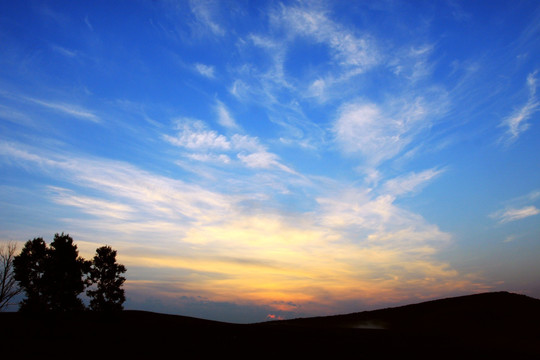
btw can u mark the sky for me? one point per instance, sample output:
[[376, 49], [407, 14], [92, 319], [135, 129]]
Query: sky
[[255, 160]]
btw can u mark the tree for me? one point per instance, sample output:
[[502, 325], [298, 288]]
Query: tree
[[105, 273], [51, 277], [29, 269], [8, 285], [64, 274]]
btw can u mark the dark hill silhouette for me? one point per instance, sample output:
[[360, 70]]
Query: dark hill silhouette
[[488, 311], [483, 325]]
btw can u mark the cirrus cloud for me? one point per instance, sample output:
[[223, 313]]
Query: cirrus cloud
[[512, 214]]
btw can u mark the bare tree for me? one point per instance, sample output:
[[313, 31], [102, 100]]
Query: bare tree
[[8, 286]]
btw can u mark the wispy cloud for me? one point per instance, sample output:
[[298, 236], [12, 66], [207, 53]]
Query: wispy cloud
[[210, 146], [63, 51], [88, 23], [348, 48], [97, 207], [194, 135], [510, 238], [351, 245], [224, 117], [205, 13], [264, 160], [410, 182], [64, 108], [161, 196], [376, 133], [413, 62], [518, 122], [253, 204], [67, 109], [205, 70], [205, 157], [512, 214]]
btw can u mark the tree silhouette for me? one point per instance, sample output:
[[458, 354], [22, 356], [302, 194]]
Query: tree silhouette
[[51, 277], [8, 284], [64, 274], [105, 273], [29, 269]]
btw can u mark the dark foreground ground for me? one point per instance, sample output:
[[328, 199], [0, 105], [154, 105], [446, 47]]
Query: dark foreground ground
[[490, 325]]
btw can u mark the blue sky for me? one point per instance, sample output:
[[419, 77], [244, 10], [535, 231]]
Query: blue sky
[[254, 160]]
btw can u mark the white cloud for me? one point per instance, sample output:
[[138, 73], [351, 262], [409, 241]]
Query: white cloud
[[259, 159], [63, 51], [219, 158], [376, 222], [136, 189], [273, 77], [349, 54], [410, 182], [64, 108], [348, 49], [224, 117], [246, 142], [67, 109], [350, 239], [194, 135], [513, 214], [16, 116], [205, 70], [378, 135], [517, 123], [264, 160], [317, 87], [412, 62], [210, 146], [92, 206], [88, 23], [205, 13]]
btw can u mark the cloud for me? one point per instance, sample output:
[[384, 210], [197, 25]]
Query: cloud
[[272, 78], [348, 49], [317, 87], [194, 135], [88, 23], [219, 158], [67, 109], [147, 193], [517, 123], [377, 134], [89, 205], [224, 117], [350, 245], [205, 70], [410, 182], [412, 62], [63, 51], [205, 12], [210, 146], [518, 208], [264, 160], [512, 214]]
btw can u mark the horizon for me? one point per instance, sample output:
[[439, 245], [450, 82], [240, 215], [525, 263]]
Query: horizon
[[251, 161]]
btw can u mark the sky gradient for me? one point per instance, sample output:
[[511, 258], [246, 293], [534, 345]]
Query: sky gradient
[[255, 160]]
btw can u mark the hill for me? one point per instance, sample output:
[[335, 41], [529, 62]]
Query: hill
[[483, 325]]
